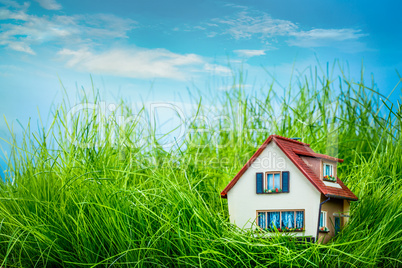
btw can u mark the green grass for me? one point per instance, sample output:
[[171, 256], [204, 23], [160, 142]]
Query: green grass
[[127, 204]]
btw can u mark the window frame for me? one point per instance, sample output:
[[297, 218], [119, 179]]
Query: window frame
[[265, 181], [324, 218], [331, 168], [325, 222], [280, 218]]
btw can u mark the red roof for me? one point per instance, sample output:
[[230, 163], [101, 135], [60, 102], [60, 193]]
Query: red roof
[[293, 149], [323, 156]]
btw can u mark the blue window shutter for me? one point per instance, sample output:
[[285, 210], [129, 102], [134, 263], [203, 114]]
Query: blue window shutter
[[259, 177], [285, 181]]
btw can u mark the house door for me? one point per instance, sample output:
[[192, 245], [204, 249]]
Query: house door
[[337, 224]]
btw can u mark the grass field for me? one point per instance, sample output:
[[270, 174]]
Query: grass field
[[75, 197]]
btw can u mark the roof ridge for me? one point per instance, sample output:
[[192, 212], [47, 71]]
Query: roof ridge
[[289, 139]]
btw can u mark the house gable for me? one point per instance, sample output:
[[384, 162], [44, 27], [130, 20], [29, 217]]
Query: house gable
[[295, 150], [271, 160], [244, 202]]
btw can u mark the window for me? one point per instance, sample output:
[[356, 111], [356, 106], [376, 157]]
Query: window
[[328, 170], [337, 224], [272, 182], [287, 220], [323, 219], [323, 222]]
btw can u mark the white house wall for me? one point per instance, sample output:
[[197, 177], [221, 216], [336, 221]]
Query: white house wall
[[243, 201]]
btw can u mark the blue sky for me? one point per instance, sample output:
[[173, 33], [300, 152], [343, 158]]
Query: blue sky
[[155, 50]]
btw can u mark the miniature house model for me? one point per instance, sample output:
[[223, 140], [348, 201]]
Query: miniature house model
[[287, 187]]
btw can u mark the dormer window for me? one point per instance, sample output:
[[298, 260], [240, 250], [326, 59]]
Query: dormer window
[[328, 170]]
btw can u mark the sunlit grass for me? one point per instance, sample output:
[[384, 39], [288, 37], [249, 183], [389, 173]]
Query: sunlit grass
[[120, 202]]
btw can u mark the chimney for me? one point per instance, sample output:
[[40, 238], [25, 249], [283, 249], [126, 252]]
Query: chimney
[[296, 139]]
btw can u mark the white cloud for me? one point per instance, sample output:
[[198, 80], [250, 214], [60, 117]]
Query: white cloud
[[324, 37], [233, 87], [212, 34], [29, 30], [9, 70], [49, 4], [218, 69], [20, 46], [248, 24], [334, 34], [14, 4], [249, 52], [104, 25], [19, 14], [141, 63], [236, 6], [92, 31], [135, 63]]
